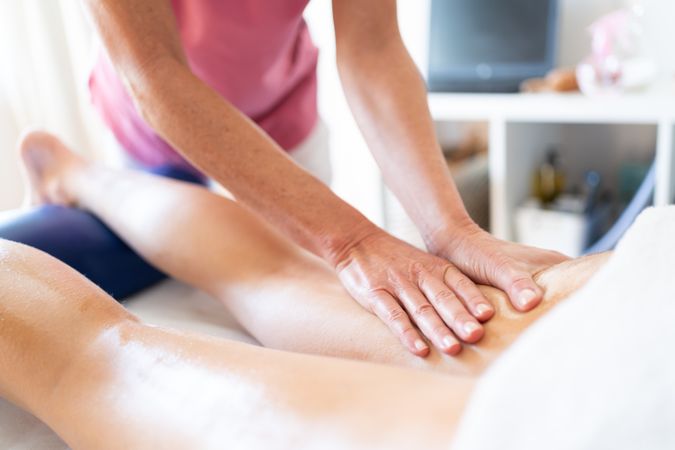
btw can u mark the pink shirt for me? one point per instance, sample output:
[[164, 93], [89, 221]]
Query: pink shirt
[[256, 53]]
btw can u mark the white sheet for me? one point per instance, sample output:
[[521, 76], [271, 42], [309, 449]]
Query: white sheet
[[169, 304], [611, 385]]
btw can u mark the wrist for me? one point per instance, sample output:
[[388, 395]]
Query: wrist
[[442, 237], [440, 215], [338, 246]]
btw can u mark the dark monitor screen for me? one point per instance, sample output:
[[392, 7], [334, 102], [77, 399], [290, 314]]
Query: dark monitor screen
[[491, 38]]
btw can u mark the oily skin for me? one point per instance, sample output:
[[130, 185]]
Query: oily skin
[[33, 328], [285, 297], [360, 336], [400, 284], [101, 379]]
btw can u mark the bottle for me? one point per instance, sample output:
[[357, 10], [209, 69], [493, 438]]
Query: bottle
[[549, 180]]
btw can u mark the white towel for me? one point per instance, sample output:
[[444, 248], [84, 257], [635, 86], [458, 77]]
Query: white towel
[[597, 372]]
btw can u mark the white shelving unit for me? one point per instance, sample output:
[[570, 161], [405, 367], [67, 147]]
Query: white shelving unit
[[523, 126]]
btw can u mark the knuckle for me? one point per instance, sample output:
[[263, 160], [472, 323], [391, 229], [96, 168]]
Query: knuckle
[[460, 319], [440, 330], [371, 300], [463, 284], [504, 269], [393, 315], [475, 298], [408, 331], [397, 279], [417, 268], [502, 264], [446, 295], [423, 309], [521, 281]]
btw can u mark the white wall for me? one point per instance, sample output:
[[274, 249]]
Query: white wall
[[576, 15], [10, 182], [45, 49], [658, 39]]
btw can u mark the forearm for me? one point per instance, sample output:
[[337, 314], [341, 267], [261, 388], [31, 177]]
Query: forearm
[[222, 142], [144, 44], [388, 98]]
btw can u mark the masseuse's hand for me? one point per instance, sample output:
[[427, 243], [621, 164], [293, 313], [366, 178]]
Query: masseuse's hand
[[505, 265], [403, 285]]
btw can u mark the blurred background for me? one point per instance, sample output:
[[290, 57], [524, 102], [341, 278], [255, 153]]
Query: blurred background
[[553, 159]]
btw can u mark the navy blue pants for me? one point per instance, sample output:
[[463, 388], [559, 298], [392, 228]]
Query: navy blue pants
[[83, 242]]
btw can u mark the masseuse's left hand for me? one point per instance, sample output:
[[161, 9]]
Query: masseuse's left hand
[[505, 265]]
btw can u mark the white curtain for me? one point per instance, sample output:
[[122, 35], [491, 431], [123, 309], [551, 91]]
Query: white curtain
[[46, 51]]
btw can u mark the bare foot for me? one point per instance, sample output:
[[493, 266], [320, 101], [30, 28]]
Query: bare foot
[[48, 164]]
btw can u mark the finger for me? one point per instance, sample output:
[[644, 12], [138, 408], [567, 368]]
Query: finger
[[392, 314], [469, 294], [523, 292], [451, 309], [427, 319]]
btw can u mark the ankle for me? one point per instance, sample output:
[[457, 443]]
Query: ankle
[[77, 181]]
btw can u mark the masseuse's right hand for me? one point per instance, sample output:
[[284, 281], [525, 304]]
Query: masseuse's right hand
[[404, 286]]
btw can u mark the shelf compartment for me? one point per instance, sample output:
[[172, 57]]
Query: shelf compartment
[[581, 146]]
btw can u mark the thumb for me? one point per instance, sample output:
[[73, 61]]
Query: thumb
[[518, 284]]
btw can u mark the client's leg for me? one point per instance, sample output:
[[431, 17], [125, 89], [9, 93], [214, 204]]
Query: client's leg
[[202, 239], [100, 379], [286, 298], [51, 320]]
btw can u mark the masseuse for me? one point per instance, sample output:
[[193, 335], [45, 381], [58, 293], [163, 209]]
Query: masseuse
[[229, 87]]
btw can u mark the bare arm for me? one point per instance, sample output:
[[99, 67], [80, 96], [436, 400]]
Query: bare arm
[[144, 45], [382, 273], [388, 98]]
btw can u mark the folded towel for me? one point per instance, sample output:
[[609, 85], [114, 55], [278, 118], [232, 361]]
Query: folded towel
[[598, 371]]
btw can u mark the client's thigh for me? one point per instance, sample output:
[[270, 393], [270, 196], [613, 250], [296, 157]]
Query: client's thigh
[[72, 356], [305, 309]]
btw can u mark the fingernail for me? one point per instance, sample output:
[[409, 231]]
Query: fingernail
[[420, 345], [448, 341], [526, 297], [483, 309], [470, 327]]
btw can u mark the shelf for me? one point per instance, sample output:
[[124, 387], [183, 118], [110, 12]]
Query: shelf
[[591, 133], [603, 148], [652, 107]]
